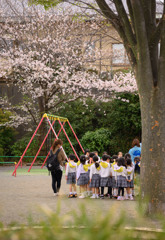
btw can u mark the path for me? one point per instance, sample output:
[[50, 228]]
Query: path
[[23, 195]]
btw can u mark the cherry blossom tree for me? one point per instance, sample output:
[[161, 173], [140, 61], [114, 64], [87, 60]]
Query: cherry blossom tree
[[49, 62]]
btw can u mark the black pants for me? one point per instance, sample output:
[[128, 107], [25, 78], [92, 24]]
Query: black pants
[[109, 191], [121, 189], [56, 180]]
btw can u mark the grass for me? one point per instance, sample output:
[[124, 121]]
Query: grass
[[33, 171], [79, 225]]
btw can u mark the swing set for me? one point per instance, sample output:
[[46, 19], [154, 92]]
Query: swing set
[[49, 118]]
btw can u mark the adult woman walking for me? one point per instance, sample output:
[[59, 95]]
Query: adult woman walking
[[135, 151], [57, 174]]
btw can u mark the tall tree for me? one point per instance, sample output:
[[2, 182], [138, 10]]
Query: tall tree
[[143, 33]]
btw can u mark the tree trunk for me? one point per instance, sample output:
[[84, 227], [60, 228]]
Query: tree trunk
[[152, 100], [153, 148]]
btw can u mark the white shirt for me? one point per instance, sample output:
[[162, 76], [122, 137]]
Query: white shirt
[[70, 169], [105, 171], [114, 167], [93, 170], [80, 170], [130, 172], [121, 171]]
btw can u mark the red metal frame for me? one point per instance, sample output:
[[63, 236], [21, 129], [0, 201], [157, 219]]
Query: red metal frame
[[68, 139], [51, 148], [56, 136], [40, 147], [27, 147], [76, 137]]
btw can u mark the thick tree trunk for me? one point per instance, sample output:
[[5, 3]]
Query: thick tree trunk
[[153, 148], [151, 86]]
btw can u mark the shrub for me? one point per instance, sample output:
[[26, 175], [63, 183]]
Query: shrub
[[82, 225], [97, 140], [1, 154], [7, 134], [19, 147]]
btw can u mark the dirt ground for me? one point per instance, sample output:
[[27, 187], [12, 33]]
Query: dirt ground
[[22, 196]]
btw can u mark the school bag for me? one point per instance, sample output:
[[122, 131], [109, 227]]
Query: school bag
[[52, 161]]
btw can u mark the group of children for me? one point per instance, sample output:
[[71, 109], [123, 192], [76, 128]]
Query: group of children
[[93, 174]]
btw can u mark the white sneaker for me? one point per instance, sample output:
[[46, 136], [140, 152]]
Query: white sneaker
[[93, 196], [55, 194], [122, 198], [119, 198], [97, 196], [86, 194], [126, 197], [82, 196], [131, 198]]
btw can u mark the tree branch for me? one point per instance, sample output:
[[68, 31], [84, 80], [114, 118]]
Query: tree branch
[[146, 8], [131, 14], [29, 110], [107, 11], [153, 11], [155, 38], [114, 19], [54, 90], [126, 25], [63, 101], [153, 44], [162, 58], [142, 44], [90, 6]]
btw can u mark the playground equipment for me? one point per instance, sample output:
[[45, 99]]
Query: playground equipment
[[54, 118]]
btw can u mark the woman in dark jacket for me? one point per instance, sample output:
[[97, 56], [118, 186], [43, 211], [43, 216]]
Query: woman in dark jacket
[[57, 174]]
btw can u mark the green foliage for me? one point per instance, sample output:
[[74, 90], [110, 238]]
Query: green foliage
[[124, 122], [47, 4], [4, 116], [19, 147], [99, 126], [97, 140], [1, 153], [121, 118], [68, 148], [7, 135], [81, 224]]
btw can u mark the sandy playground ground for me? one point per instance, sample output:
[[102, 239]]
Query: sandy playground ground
[[22, 196]]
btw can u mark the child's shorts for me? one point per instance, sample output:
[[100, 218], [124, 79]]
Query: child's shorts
[[95, 181], [83, 179], [130, 184], [121, 181], [71, 179]]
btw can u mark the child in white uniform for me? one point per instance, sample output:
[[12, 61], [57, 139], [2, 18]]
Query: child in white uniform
[[121, 173], [114, 177], [71, 169], [105, 175], [130, 174], [95, 177], [82, 176], [89, 163]]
